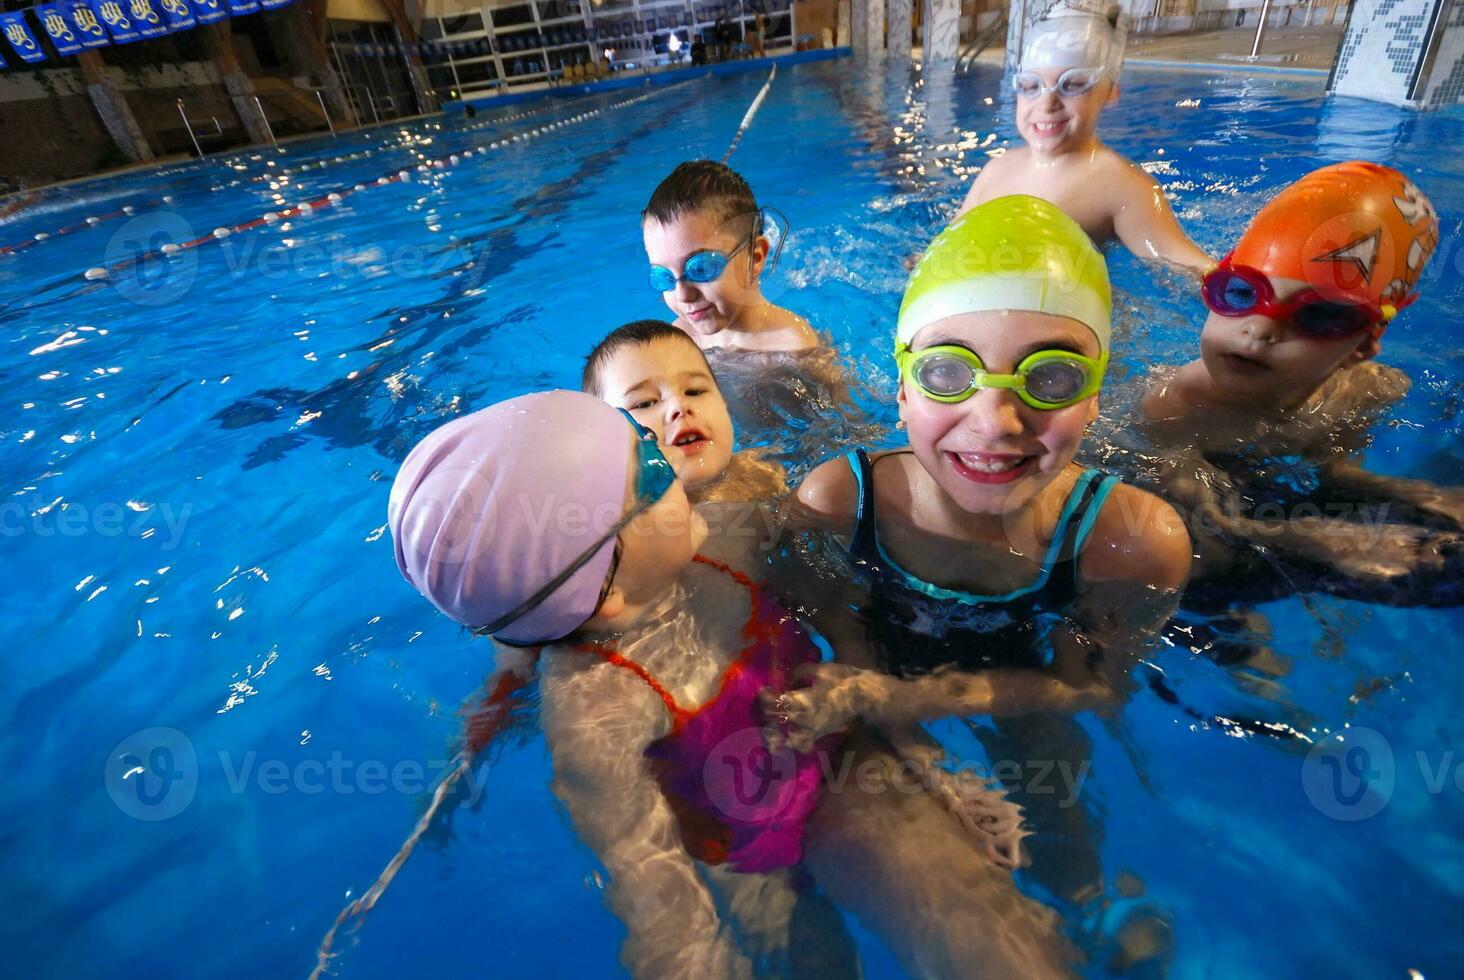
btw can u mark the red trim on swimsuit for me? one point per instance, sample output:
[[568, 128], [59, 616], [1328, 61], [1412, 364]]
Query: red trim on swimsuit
[[751, 632]]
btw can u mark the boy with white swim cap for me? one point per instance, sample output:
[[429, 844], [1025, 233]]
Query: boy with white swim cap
[[1071, 60]]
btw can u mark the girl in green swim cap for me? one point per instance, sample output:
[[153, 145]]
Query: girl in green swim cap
[[995, 576]]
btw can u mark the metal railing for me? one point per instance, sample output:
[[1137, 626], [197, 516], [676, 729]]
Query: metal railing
[[197, 127], [294, 96], [192, 135], [984, 39]]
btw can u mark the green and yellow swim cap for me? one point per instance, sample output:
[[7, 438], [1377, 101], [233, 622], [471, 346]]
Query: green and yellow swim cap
[[1013, 253]]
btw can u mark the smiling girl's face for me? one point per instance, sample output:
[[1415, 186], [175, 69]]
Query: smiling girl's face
[[668, 387], [993, 453]]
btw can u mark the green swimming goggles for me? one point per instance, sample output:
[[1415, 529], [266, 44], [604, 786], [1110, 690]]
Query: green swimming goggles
[[1047, 379]]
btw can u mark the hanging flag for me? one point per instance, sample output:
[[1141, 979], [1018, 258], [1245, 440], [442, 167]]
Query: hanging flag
[[209, 11], [146, 19], [18, 33], [239, 7], [177, 14], [54, 22], [118, 21], [83, 18]]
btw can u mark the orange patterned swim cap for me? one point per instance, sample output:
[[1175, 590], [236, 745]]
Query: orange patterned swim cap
[[1352, 231]]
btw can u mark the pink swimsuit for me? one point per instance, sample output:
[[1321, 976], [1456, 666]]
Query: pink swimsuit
[[738, 803]]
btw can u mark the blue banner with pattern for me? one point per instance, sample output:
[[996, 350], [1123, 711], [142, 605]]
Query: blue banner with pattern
[[89, 30], [55, 23], [238, 7], [118, 20], [178, 14], [274, 4], [18, 33], [209, 11], [147, 19]]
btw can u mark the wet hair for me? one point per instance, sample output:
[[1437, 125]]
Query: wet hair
[[702, 185], [638, 333]]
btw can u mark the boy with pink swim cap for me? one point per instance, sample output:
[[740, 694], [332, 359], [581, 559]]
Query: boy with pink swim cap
[[554, 520]]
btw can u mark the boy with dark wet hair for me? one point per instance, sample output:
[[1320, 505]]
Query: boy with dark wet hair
[[706, 240]]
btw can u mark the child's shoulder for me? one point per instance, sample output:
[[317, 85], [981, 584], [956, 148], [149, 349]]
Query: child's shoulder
[[829, 494], [1137, 537], [1364, 386], [1119, 167], [792, 331]]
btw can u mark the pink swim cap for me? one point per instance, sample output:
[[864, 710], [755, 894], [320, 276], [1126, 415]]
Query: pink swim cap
[[490, 507]]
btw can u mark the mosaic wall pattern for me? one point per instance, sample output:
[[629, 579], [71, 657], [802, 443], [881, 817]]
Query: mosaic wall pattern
[[900, 28], [1384, 43], [1445, 83], [869, 28], [940, 35]]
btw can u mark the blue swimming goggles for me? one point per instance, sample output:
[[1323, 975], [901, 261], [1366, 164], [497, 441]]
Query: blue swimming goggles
[[654, 476], [705, 266]]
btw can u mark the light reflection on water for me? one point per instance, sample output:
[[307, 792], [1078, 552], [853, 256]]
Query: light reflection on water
[[261, 414]]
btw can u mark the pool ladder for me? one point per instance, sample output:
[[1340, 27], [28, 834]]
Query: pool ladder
[[983, 40]]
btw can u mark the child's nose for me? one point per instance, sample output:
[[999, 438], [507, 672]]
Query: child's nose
[[675, 408], [1261, 329], [995, 413]]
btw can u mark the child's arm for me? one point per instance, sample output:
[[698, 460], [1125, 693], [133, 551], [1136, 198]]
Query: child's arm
[[598, 724], [1146, 225], [1443, 505]]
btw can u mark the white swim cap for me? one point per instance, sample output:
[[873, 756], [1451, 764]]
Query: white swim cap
[[1070, 36]]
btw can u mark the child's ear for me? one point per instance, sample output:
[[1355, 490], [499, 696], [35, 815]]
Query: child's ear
[[613, 606], [1366, 350], [759, 251], [1112, 93]]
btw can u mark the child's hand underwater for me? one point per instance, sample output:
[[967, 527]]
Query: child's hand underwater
[[836, 695]]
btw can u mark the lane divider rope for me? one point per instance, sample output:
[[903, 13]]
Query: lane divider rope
[[751, 111], [333, 198], [132, 209]]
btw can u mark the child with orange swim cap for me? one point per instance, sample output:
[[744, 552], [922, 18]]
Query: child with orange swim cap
[[1286, 379]]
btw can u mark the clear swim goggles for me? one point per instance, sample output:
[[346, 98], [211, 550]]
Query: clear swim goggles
[[1070, 84], [653, 477], [1046, 380]]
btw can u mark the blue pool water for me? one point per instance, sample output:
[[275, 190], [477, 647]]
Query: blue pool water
[[195, 457]]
